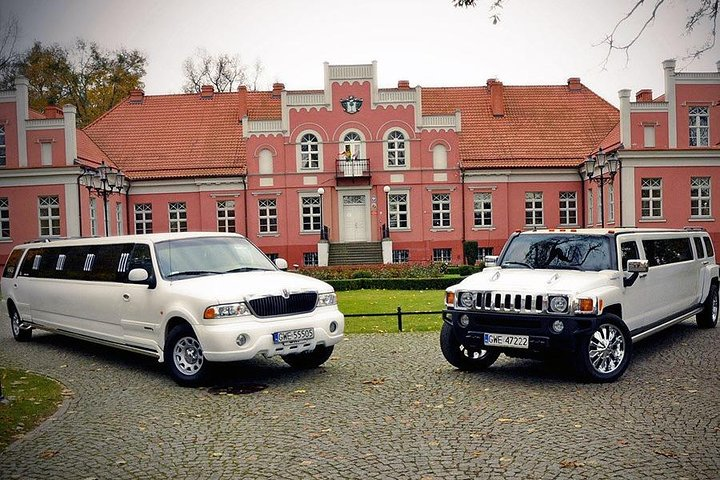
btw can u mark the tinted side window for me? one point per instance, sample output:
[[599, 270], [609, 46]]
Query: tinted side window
[[709, 247], [699, 247], [629, 251], [667, 250], [110, 265], [12, 263], [30, 263]]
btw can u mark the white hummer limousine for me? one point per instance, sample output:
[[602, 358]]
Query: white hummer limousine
[[185, 298], [588, 293]]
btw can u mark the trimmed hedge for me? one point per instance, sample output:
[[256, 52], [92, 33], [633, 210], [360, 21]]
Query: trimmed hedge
[[394, 283]]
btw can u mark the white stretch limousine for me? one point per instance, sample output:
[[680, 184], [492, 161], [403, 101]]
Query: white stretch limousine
[[187, 299]]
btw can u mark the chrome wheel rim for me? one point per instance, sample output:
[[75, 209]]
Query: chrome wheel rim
[[714, 308], [606, 348], [188, 356], [15, 323]]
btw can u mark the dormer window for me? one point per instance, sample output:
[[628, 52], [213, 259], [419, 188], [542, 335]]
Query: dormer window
[[699, 120]]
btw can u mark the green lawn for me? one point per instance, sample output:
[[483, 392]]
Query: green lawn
[[31, 399], [387, 301]]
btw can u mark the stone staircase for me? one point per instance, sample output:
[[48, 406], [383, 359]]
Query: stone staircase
[[355, 253]]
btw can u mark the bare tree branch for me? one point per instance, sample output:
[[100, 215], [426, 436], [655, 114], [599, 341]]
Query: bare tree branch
[[224, 72]]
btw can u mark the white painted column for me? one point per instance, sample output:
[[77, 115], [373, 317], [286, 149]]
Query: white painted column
[[323, 253], [72, 210], [21, 108], [69, 116], [625, 130], [627, 195], [669, 67], [387, 245]]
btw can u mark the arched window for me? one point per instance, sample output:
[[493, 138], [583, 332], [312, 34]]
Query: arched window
[[396, 154], [439, 153], [352, 143], [265, 161], [309, 152]]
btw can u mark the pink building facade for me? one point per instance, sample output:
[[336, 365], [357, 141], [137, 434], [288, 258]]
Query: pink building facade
[[408, 172]]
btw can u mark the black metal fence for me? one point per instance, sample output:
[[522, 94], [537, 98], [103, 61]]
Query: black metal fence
[[399, 314]]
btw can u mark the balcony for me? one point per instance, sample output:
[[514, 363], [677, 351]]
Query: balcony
[[353, 170]]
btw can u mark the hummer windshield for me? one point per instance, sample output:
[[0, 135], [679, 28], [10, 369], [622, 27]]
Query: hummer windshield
[[561, 251]]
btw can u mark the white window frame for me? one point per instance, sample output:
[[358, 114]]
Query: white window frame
[[357, 144], [177, 217], [49, 216], [145, 219], [119, 219], [649, 136], [225, 213], [4, 218], [482, 210], [441, 211], [700, 197], [397, 157], [699, 125], [534, 209], [92, 206], [3, 147], [651, 198], [401, 256], [611, 203], [310, 205], [442, 255], [568, 208], [309, 154], [399, 210], [590, 207], [310, 259], [267, 212]]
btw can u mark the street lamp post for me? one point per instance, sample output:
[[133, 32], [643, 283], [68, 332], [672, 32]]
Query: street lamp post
[[103, 182], [386, 230], [321, 192], [606, 164]]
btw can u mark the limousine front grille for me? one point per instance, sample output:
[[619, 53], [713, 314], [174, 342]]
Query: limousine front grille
[[294, 304], [509, 302]]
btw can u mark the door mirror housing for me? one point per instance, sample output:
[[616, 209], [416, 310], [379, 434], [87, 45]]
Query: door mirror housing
[[637, 266], [490, 260], [281, 263], [140, 275]]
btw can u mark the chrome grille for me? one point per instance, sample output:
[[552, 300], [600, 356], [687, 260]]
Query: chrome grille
[[509, 302], [278, 305]]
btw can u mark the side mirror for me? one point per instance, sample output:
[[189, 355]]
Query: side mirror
[[281, 263], [140, 275], [490, 260], [637, 266]]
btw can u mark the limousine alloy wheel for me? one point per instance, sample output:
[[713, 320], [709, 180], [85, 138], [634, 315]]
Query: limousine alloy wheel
[[184, 356], [461, 356], [19, 333], [605, 353], [708, 318]]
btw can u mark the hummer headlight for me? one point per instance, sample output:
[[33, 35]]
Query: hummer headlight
[[466, 300], [558, 304]]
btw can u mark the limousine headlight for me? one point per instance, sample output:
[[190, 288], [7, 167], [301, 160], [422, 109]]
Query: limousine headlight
[[326, 299], [226, 310]]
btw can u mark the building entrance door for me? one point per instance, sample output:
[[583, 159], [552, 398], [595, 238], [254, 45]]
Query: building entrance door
[[355, 227]]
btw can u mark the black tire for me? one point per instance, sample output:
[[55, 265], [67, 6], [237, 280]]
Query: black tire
[[184, 356], [20, 334], [604, 354], [310, 359], [708, 318], [462, 357]]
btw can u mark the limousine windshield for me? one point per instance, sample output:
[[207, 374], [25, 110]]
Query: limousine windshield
[[188, 257], [571, 252]]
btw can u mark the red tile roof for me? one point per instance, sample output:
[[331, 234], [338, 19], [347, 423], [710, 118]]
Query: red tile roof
[[542, 126], [263, 106], [173, 136], [89, 153]]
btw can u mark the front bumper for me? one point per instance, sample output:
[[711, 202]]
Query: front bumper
[[541, 337], [219, 341]]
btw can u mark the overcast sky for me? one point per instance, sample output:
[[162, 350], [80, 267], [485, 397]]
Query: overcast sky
[[428, 42]]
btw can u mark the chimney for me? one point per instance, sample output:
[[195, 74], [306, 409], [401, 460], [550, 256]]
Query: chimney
[[70, 127], [496, 97], [242, 102], [206, 92], [574, 84], [625, 130], [403, 84], [52, 111], [136, 95], [277, 89], [644, 95]]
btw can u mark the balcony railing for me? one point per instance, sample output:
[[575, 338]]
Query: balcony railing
[[352, 168]]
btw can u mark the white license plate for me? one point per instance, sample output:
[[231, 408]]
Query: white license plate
[[506, 341], [294, 336]]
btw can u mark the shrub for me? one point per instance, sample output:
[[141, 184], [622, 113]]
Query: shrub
[[392, 270], [470, 249], [393, 283]]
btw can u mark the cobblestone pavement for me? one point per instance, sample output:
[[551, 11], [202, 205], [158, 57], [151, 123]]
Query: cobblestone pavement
[[385, 406]]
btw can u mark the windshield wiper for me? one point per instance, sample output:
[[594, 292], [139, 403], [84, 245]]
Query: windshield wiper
[[522, 264], [246, 269], [192, 272]]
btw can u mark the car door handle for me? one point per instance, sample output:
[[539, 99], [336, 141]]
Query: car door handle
[[706, 262], [126, 297]]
